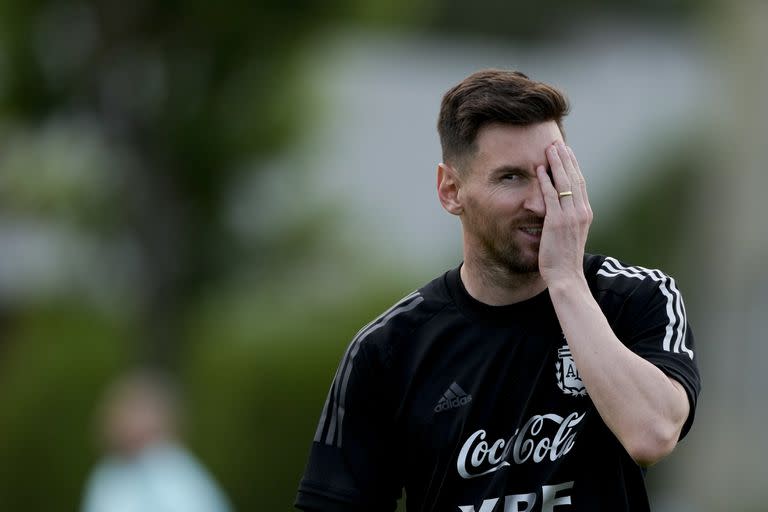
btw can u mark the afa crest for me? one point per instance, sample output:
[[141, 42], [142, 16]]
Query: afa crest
[[568, 379]]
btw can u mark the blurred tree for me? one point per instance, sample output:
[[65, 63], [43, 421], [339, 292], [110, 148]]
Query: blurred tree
[[181, 98]]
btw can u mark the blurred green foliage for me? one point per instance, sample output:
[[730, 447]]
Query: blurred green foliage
[[55, 362], [181, 99], [252, 393]]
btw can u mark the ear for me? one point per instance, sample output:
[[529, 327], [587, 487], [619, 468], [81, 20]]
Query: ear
[[448, 185]]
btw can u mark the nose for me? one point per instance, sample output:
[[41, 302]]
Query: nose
[[534, 200]]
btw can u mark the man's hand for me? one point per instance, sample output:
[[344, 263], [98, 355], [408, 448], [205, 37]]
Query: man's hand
[[567, 218], [643, 407]]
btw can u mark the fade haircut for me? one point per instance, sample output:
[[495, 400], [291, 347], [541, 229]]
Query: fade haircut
[[493, 96]]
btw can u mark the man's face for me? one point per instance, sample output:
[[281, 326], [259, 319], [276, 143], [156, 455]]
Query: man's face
[[503, 209]]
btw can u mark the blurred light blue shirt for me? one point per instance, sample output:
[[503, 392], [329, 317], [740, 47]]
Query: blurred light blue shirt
[[163, 478]]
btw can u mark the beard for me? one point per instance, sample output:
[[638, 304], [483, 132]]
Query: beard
[[501, 249], [508, 255]]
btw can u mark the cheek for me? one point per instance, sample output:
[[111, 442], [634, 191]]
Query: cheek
[[502, 205], [512, 202], [494, 206]]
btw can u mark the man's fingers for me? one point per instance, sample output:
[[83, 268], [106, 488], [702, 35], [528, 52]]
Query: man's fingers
[[579, 183], [577, 178], [551, 199], [571, 167], [559, 174]]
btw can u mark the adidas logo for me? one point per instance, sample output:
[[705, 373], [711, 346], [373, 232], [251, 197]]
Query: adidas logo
[[453, 397]]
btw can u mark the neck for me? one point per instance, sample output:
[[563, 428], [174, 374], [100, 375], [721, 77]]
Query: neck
[[495, 285]]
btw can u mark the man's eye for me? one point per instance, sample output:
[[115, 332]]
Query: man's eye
[[512, 177]]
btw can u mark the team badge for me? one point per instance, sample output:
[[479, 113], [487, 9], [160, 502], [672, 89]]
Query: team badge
[[568, 379]]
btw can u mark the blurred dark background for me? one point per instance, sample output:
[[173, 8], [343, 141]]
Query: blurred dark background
[[228, 191]]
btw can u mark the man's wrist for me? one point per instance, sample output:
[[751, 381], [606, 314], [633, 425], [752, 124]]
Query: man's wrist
[[567, 285]]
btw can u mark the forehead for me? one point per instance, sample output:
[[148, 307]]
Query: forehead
[[519, 146]]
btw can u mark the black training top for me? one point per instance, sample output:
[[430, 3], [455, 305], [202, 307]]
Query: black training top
[[480, 408]]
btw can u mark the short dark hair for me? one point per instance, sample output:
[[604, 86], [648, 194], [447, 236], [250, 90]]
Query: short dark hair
[[494, 96]]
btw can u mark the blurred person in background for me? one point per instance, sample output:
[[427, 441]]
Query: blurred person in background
[[145, 468], [531, 377]]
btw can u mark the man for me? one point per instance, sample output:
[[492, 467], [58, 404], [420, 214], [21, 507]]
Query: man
[[533, 377]]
